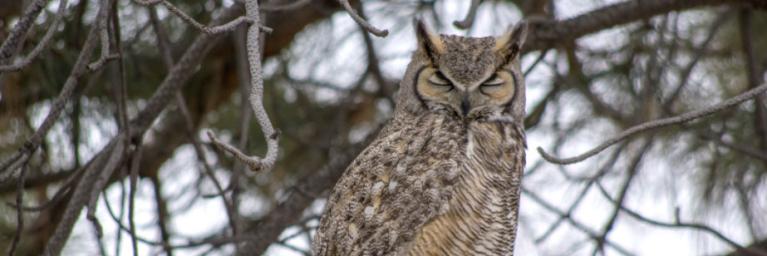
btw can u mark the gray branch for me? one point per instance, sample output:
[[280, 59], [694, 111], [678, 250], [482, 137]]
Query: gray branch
[[256, 100], [42, 45], [683, 118], [362, 22]]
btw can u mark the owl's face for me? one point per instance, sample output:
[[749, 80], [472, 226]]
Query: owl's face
[[472, 78]]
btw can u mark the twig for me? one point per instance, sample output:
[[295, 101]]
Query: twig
[[238, 170], [58, 105], [362, 22], [700, 52], [678, 223], [19, 211], [286, 7], [101, 181], [469, 20], [19, 31], [290, 211], [80, 195], [686, 117], [256, 100], [105, 55], [227, 27], [633, 172], [537, 61], [42, 45], [746, 150], [118, 237], [134, 167], [374, 67], [121, 226], [592, 234], [754, 79], [161, 206], [78, 199], [164, 46], [570, 210]]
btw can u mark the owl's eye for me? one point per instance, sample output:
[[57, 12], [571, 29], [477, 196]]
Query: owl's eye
[[439, 80], [493, 81]]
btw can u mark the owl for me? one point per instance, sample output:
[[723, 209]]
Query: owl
[[443, 175]]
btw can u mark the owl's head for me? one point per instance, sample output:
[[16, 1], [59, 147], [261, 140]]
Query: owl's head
[[471, 78]]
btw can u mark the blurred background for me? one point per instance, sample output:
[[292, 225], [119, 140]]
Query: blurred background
[[593, 69]]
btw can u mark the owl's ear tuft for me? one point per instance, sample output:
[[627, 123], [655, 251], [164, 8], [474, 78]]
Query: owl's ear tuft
[[428, 41], [510, 43]]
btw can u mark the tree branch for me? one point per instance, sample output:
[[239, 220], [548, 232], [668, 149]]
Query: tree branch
[[686, 117], [227, 27], [361, 21], [42, 45], [469, 19], [58, 105], [546, 34], [256, 100], [19, 31], [678, 223]]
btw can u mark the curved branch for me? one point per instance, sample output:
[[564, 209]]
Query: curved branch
[[686, 117], [19, 31], [229, 26], [469, 20], [362, 22], [58, 105], [42, 45], [678, 223], [256, 99], [286, 7]]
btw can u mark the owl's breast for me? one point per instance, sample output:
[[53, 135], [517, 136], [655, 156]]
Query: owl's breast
[[480, 219]]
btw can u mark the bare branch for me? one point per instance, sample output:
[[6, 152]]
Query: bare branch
[[81, 193], [633, 171], [754, 79], [106, 54], [547, 34], [686, 117], [227, 27], [164, 46], [678, 223], [77, 200], [42, 45], [588, 231], [100, 183], [19, 211], [698, 55], [291, 6], [134, 167], [362, 22], [746, 150], [469, 20], [19, 31], [256, 100], [602, 171], [290, 211], [79, 69]]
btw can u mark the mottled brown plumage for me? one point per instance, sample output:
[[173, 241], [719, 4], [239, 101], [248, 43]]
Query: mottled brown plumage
[[443, 176]]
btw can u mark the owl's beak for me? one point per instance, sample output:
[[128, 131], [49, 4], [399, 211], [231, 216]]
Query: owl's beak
[[465, 106]]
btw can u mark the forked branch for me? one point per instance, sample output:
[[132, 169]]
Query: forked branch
[[255, 163], [42, 45], [227, 27], [686, 117]]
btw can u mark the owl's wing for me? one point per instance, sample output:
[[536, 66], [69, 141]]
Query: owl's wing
[[398, 183]]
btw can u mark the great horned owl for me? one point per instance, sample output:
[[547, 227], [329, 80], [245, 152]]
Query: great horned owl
[[443, 176]]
